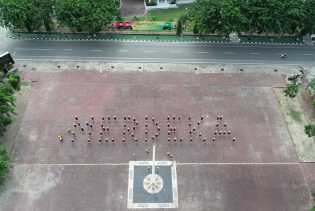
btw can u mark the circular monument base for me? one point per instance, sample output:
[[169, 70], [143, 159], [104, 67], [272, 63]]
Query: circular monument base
[[153, 183]]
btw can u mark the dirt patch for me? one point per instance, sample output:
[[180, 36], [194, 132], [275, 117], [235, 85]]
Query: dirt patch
[[296, 120]]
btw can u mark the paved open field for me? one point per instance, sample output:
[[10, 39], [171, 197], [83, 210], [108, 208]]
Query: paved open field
[[258, 171]]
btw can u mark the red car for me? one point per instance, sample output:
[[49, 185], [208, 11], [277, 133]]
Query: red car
[[121, 25]]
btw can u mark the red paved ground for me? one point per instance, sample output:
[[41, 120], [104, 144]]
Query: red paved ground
[[97, 175], [246, 102]]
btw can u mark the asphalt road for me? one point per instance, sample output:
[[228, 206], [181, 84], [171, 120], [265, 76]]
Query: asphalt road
[[155, 52]]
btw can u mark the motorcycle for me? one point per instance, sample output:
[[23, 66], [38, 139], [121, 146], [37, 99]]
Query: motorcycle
[[283, 55]]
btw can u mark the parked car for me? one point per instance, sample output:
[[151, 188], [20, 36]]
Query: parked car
[[6, 62], [122, 25], [168, 26], [313, 38]]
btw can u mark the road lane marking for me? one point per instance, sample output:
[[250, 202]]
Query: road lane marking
[[229, 53], [96, 50], [308, 54], [175, 51], [67, 49], [37, 49], [255, 53], [202, 52]]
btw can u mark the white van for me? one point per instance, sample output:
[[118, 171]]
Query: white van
[[313, 38]]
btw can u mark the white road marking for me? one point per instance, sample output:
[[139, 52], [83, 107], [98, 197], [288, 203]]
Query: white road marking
[[308, 54], [96, 50], [202, 52], [177, 163], [229, 53], [72, 164], [175, 51], [67, 49], [37, 49], [267, 164], [255, 53]]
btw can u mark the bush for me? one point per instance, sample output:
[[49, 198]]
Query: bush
[[119, 18], [4, 164], [313, 103], [195, 29], [153, 18], [7, 105], [135, 18], [311, 87], [179, 28], [14, 80], [291, 90], [309, 130]]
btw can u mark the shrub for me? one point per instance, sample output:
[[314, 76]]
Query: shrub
[[135, 18], [291, 90], [14, 80], [153, 18], [309, 130], [195, 29], [311, 87], [4, 164], [313, 103], [7, 105], [119, 18], [179, 28]]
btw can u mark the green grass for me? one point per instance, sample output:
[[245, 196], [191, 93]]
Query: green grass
[[295, 115], [313, 207], [4, 164], [172, 14], [148, 26]]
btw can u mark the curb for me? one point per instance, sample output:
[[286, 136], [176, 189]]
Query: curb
[[157, 40]]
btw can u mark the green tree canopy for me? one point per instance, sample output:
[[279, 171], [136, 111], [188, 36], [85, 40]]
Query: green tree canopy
[[309, 7], [26, 14], [216, 16], [259, 16], [86, 15]]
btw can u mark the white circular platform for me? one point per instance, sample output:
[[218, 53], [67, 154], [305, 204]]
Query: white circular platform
[[153, 183]]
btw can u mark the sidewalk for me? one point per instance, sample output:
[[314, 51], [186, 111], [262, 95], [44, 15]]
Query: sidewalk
[[116, 37], [156, 37]]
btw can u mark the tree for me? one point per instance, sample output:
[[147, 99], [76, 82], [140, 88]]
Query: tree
[[27, 15], [179, 28], [86, 15], [309, 130], [258, 16], [216, 16], [309, 7]]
